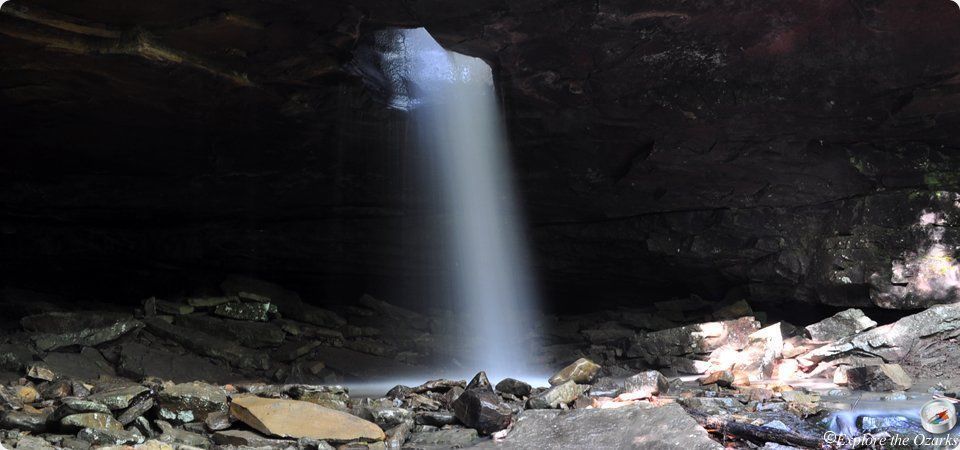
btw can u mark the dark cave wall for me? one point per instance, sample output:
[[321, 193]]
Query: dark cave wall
[[793, 150]]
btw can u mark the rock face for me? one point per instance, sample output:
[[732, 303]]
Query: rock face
[[297, 419], [654, 147], [840, 325], [630, 427]]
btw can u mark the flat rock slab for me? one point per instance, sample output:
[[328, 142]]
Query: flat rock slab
[[297, 419], [209, 345], [840, 325], [60, 330], [629, 427]]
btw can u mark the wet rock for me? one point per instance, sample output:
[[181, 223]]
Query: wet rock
[[397, 435], [72, 405], [57, 390], [390, 417], [580, 371], [713, 405], [646, 384], [104, 437], [98, 421], [248, 334], [176, 435], [23, 421], [440, 439], [191, 402], [139, 408], [208, 345], [482, 410], [138, 361], [250, 439], [296, 419], [605, 387], [87, 365], [120, 397], [217, 421], [480, 381], [334, 397], [447, 398], [289, 302], [57, 330], [878, 378], [15, 357], [435, 418], [252, 311], [513, 387], [562, 394], [441, 385], [634, 427], [35, 443], [27, 394], [843, 324]]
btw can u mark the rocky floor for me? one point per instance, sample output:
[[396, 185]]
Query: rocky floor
[[255, 367]]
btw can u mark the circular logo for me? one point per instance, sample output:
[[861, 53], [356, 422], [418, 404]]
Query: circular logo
[[938, 416]]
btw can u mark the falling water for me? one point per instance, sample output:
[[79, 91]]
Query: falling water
[[452, 102]]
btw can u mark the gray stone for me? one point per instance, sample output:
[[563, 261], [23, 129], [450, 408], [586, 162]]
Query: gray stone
[[120, 397], [138, 409], [191, 402], [513, 387], [175, 435], [482, 410], [293, 350], [95, 420], [580, 371], [252, 311], [840, 325], [692, 339], [250, 439], [89, 365], [173, 308], [646, 384], [58, 330], [34, 443], [628, 427], [442, 439], [108, 437], [562, 394], [15, 357], [23, 421]]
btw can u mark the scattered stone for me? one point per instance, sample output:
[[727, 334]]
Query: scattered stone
[[106, 437], [635, 427], [878, 378], [442, 439], [138, 409], [139, 361], [40, 371], [24, 421], [191, 402], [57, 330], [723, 378], [646, 384], [250, 439], [27, 394], [248, 334], [296, 419], [562, 394], [98, 421], [440, 385], [217, 421], [435, 418], [580, 371], [513, 387], [482, 410], [244, 311], [176, 435], [119, 398], [843, 324]]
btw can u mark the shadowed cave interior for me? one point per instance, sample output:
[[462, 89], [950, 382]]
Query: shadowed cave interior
[[734, 217]]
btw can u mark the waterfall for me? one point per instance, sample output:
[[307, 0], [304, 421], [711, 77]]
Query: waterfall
[[452, 103]]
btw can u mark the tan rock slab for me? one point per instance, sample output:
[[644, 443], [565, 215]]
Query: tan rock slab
[[298, 419]]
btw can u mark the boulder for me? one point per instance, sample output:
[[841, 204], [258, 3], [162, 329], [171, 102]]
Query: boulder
[[646, 384], [57, 330], [878, 378], [482, 410], [191, 402], [689, 340], [580, 371], [251, 311], [634, 427], [513, 387], [23, 421], [139, 361], [562, 394], [120, 397], [840, 325], [298, 419], [248, 334]]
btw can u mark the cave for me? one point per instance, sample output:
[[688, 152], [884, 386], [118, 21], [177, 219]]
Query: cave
[[434, 224]]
